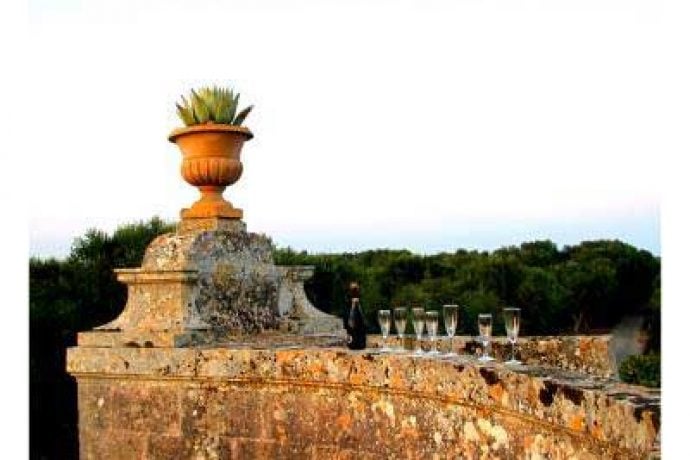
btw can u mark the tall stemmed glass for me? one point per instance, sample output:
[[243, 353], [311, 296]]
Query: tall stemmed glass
[[400, 318], [450, 321], [418, 317], [431, 320], [511, 317], [485, 322], [384, 317]]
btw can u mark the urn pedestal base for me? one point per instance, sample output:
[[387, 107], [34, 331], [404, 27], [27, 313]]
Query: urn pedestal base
[[206, 212], [211, 205]]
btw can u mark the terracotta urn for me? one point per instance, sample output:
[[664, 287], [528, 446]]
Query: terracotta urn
[[211, 162]]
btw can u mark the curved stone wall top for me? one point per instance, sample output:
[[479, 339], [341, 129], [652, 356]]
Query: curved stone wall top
[[516, 407]]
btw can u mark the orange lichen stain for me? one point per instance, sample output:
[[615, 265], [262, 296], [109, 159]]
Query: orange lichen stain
[[577, 423], [343, 421], [597, 433], [284, 356], [409, 432], [585, 345], [483, 412], [527, 443], [496, 392], [315, 367], [396, 381], [356, 379]]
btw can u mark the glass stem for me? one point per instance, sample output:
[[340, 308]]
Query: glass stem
[[512, 354]]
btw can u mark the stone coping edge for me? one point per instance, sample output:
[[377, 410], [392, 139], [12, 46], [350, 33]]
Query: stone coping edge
[[625, 416]]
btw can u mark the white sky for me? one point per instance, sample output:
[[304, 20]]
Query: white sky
[[427, 125]]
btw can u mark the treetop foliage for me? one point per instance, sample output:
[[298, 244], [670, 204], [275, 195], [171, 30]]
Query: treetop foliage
[[577, 289]]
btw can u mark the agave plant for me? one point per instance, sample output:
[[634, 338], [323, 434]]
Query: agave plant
[[212, 105]]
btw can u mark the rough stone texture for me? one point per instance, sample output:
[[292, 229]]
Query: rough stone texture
[[210, 275], [592, 354], [237, 284], [304, 318], [275, 397], [158, 301]]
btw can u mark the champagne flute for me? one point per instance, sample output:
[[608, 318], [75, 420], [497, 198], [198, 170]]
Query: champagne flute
[[400, 318], [384, 317], [511, 317], [418, 317], [485, 322], [431, 321], [450, 321]]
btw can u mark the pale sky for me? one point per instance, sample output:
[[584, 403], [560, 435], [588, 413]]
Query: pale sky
[[427, 125]]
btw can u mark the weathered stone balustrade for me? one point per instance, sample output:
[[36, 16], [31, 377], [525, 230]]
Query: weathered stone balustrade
[[301, 397]]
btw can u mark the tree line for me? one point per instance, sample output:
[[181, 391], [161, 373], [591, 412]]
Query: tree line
[[585, 288]]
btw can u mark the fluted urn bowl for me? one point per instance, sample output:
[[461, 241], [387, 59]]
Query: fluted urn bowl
[[211, 162]]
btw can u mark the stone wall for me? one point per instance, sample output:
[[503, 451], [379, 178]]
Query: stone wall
[[287, 397], [591, 354]]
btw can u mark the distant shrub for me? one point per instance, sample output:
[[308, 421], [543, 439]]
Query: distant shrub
[[641, 370]]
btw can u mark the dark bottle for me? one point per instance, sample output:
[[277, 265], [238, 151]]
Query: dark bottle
[[354, 322]]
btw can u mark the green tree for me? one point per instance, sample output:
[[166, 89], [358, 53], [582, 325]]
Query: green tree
[[590, 285], [474, 303], [541, 254], [653, 319], [541, 297]]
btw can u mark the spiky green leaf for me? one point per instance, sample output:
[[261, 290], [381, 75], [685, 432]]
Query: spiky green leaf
[[213, 103], [241, 116], [185, 115], [199, 108]]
